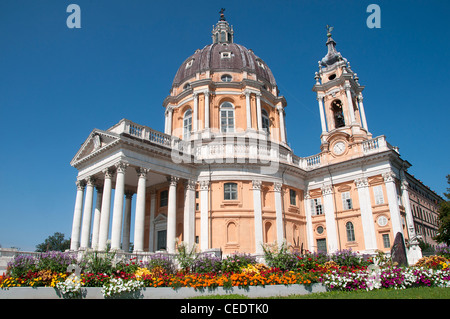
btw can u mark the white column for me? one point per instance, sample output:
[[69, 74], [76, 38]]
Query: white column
[[195, 115], [391, 190], [106, 210], [77, 215], [207, 110], [127, 222], [189, 214], [168, 126], [139, 223], [370, 240], [407, 205], [172, 215], [282, 125], [247, 110], [309, 228], [363, 113], [322, 114], [414, 252], [277, 187], [258, 111], [87, 213], [97, 214], [330, 219], [350, 103], [256, 186], [118, 206], [204, 218], [151, 235]]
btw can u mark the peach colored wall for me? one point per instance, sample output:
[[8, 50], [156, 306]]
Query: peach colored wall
[[238, 100]]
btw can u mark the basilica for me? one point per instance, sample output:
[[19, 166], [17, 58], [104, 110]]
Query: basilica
[[222, 175]]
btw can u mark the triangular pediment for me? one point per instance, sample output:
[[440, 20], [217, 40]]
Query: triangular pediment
[[96, 142]]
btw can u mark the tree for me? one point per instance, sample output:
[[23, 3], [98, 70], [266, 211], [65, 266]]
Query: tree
[[444, 218], [54, 243]]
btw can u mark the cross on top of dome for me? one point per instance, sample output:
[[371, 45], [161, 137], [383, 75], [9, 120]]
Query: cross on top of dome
[[222, 32]]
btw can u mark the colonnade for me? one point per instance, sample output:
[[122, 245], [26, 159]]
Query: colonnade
[[121, 212]]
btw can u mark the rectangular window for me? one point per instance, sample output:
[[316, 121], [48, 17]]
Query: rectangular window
[[346, 201], [293, 197], [386, 241], [316, 206], [163, 198], [230, 191], [378, 194]]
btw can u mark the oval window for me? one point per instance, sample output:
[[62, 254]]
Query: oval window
[[226, 78]]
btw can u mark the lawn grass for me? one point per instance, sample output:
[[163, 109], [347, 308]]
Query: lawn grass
[[410, 293]]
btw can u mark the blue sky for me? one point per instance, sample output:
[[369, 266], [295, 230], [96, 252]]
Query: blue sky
[[57, 84]]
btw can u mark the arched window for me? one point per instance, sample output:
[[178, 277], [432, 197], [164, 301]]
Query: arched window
[[187, 124], [336, 107], [350, 231], [227, 117], [265, 121]]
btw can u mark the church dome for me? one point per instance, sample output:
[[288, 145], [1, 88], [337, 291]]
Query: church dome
[[223, 55], [219, 57]]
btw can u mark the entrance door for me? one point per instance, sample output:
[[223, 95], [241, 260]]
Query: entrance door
[[161, 242], [322, 245]]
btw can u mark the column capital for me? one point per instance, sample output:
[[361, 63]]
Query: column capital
[[81, 184], [327, 189], [142, 172], [173, 180], [361, 182], [109, 172], [277, 186], [169, 109], [404, 184], [204, 185], [121, 167], [389, 176], [129, 193], [256, 184], [190, 184], [90, 181]]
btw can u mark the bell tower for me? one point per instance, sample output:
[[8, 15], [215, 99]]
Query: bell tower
[[339, 94]]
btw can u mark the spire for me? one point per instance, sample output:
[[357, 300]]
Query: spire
[[222, 32], [332, 56]]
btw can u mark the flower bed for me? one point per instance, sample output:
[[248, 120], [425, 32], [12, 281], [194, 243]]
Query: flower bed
[[344, 270]]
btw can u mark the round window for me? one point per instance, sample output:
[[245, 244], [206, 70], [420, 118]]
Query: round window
[[226, 78], [319, 230], [382, 221]]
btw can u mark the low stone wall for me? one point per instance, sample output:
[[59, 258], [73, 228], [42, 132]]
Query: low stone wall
[[165, 292]]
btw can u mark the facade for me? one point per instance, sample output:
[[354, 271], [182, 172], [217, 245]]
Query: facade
[[222, 175], [425, 209]]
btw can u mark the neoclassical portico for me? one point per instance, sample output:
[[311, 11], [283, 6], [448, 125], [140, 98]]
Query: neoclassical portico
[[121, 210]]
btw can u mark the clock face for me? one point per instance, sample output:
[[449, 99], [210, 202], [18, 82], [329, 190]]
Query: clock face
[[339, 148]]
